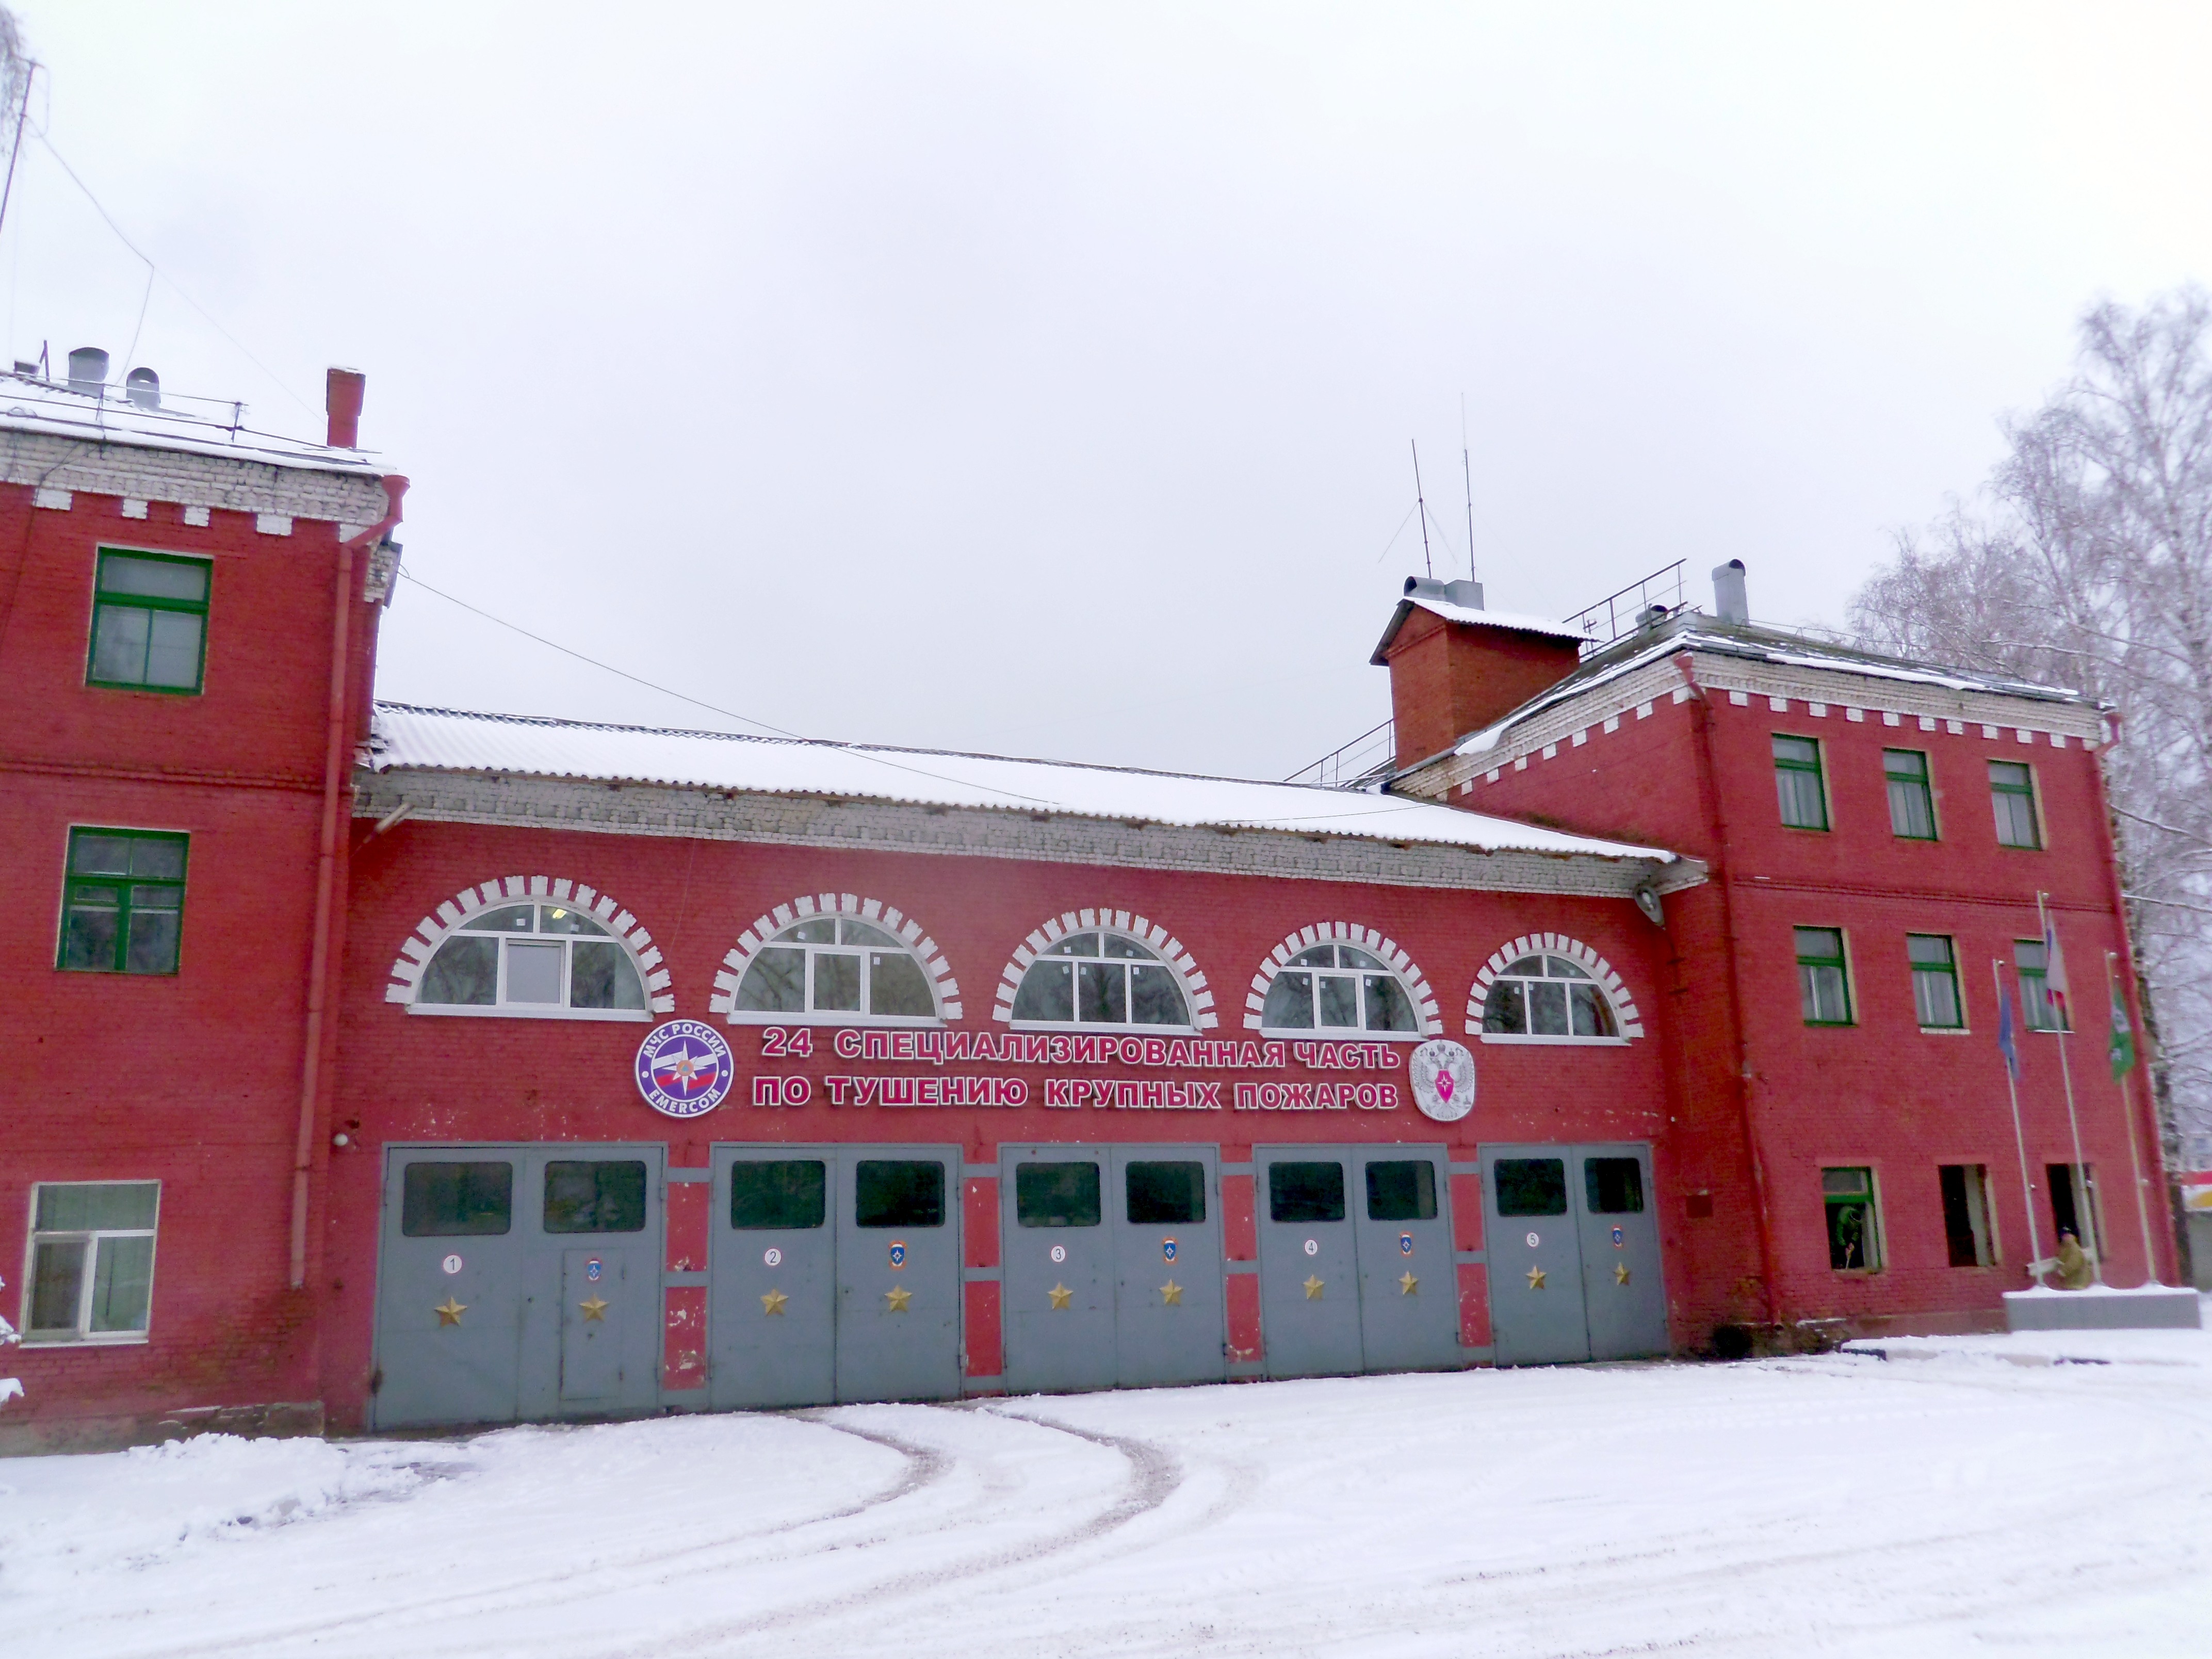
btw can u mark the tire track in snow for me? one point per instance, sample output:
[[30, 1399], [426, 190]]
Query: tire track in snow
[[1154, 1476], [924, 1467]]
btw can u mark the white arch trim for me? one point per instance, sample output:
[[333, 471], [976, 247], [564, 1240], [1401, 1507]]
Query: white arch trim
[[1178, 960], [1346, 933], [1558, 945], [433, 931], [874, 912]]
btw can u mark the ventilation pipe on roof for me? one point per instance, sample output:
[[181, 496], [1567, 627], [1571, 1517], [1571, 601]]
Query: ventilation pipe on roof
[[1729, 603], [144, 387], [1468, 595], [342, 394], [87, 370]]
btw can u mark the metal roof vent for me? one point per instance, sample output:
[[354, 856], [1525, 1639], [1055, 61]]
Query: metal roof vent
[[88, 370], [1730, 604], [144, 387]]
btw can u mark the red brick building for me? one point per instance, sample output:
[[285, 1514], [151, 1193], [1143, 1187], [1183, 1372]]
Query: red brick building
[[378, 1066]]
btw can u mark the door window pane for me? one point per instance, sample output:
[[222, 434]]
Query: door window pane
[[1061, 1194], [595, 1196], [782, 1193], [1402, 1189], [456, 1201], [1305, 1192], [1612, 1186], [1166, 1194], [1531, 1186], [898, 1193]]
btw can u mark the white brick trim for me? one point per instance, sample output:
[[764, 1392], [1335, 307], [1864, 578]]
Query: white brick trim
[[1051, 933], [723, 999], [1347, 933], [433, 931], [1558, 945], [273, 524]]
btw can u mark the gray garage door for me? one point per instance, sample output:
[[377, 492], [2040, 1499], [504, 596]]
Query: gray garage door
[[1408, 1286], [771, 1316], [1573, 1252], [1110, 1266], [1166, 1203], [1308, 1260], [518, 1282], [898, 1273]]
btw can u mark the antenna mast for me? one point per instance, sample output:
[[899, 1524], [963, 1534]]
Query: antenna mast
[[1467, 472], [1422, 507]]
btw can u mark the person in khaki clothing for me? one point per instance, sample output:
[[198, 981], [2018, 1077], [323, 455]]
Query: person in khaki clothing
[[2072, 1261]]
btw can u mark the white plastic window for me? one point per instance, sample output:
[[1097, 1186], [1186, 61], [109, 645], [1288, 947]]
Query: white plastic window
[[1100, 979], [543, 958], [1339, 988], [91, 1261], [1549, 997], [836, 968]]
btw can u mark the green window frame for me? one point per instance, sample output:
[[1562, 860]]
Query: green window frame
[[1824, 980], [1935, 999], [1854, 1221], [1912, 802], [2032, 961], [149, 623], [1798, 783], [123, 902], [2012, 797]]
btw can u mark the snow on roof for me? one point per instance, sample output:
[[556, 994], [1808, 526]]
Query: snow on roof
[[1691, 631], [1517, 622], [406, 736], [199, 425]]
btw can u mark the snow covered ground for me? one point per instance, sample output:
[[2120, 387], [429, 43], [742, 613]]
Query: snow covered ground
[[1984, 1494]]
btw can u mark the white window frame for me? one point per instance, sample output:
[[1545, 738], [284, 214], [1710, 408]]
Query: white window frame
[[1360, 1033], [82, 1336], [1618, 1040], [500, 1007], [1152, 954], [859, 1016]]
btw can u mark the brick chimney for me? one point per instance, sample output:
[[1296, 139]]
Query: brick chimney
[[1455, 668], [342, 392]]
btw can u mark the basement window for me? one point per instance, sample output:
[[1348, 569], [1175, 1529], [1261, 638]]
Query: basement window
[[92, 1261]]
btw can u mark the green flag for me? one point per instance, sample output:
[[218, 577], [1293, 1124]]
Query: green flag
[[2124, 1037]]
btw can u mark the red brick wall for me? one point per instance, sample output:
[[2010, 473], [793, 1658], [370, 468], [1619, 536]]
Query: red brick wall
[[192, 1079], [1450, 679], [409, 1077]]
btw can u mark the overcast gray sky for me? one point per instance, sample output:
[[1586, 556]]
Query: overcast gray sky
[[1039, 379]]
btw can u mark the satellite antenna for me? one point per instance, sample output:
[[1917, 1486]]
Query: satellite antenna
[[1422, 507]]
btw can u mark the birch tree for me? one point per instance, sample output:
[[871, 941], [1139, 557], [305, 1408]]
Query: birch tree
[[2087, 563]]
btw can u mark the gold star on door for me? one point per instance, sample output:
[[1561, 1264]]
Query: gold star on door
[[1535, 1279], [774, 1302], [898, 1296], [1171, 1294], [1313, 1287], [1062, 1296], [1621, 1273], [1407, 1283], [449, 1311], [594, 1309]]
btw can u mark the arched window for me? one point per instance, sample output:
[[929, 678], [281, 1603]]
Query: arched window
[[835, 959], [533, 947], [1548, 988], [1335, 978], [1100, 979]]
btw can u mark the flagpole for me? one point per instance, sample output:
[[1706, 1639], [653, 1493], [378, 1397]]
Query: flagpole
[[2019, 1135], [2084, 1199], [2128, 1114]]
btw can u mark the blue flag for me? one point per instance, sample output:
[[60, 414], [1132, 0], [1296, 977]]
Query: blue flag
[[2005, 1044]]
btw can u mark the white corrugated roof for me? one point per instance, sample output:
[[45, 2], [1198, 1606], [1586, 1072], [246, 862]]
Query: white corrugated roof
[[1509, 619], [443, 740], [196, 425]]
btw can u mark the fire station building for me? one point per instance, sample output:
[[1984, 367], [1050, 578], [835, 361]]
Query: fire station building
[[370, 1066]]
